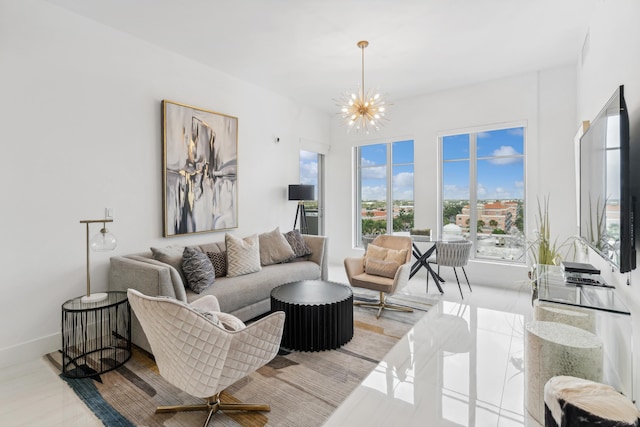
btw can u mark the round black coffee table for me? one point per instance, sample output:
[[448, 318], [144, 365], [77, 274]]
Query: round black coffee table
[[319, 314]]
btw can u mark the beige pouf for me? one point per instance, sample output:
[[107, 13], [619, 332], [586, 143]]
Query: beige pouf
[[571, 401], [574, 316], [553, 349]]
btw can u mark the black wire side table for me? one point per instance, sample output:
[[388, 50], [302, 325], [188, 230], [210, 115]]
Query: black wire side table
[[96, 336]]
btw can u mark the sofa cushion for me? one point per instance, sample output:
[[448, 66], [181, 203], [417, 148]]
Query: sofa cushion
[[274, 248], [297, 243], [257, 286], [243, 255], [219, 261], [171, 255], [197, 269]]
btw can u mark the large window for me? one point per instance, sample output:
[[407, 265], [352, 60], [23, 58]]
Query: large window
[[385, 188], [311, 167], [483, 191]]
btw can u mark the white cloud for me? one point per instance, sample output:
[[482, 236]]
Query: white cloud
[[505, 150], [454, 192], [309, 173], [375, 192], [379, 172], [308, 156], [403, 179], [516, 131]]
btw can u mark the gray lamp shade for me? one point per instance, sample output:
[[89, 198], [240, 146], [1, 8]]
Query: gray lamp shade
[[301, 192]]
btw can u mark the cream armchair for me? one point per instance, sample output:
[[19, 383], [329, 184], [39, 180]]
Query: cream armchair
[[200, 357], [358, 277]]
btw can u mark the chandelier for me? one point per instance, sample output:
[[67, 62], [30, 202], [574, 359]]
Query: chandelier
[[364, 110]]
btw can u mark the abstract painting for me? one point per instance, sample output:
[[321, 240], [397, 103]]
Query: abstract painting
[[200, 170]]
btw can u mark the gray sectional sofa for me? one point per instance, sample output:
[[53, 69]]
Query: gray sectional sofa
[[246, 296]]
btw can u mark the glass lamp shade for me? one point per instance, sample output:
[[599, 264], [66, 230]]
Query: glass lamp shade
[[103, 241]]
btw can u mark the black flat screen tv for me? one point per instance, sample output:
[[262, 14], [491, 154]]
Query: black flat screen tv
[[607, 204]]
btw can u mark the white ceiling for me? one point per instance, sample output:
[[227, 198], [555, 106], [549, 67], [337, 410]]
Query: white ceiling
[[306, 49]]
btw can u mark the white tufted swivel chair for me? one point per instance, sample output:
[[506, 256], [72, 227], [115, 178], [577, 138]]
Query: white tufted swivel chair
[[452, 254], [200, 357]]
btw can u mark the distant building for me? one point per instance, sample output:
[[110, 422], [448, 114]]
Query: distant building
[[494, 215]]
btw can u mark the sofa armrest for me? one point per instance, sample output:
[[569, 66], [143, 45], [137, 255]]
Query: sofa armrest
[[148, 276], [318, 246]]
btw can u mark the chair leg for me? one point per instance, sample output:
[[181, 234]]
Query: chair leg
[[465, 276], [214, 405], [382, 305], [456, 273], [427, 281]]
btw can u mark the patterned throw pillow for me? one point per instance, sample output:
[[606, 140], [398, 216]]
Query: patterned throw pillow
[[385, 254], [197, 269], [274, 248], [378, 267], [219, 261], [243, 255], [297, 243]]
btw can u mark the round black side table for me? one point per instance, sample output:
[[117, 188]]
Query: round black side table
[[96, 336], [319, 314]]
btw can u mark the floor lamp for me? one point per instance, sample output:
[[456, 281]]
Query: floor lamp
[[301, 193]]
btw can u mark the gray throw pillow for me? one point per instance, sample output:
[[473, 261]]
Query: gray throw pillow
[[274, 248], [243, 255], [297, 243], [197, 269]]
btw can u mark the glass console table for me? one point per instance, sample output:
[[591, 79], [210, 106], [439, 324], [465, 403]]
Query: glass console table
[[551, 286], [613, 319]]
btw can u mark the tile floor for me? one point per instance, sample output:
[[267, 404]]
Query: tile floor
[[461, 365]]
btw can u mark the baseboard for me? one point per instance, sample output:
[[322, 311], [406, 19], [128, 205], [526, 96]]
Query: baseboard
[[29, 350]]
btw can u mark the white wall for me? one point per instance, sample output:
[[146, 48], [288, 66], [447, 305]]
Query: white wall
[[544, 100], [613, 58], [80, 130]]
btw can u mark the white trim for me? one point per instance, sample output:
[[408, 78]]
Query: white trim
[[483, 128], [30, 350], [314, 146]]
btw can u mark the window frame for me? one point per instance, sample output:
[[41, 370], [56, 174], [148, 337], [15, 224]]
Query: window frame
[[388, 165], [473, 181]]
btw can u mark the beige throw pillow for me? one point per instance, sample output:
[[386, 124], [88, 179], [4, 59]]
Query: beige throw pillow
[[274, 248], [243, 255], [378, 267], [384, 254]]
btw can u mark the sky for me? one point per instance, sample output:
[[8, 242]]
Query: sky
[[374, 171], [500, 165], [309, 169]]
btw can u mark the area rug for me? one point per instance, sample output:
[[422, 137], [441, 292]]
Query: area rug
[[303, 388]]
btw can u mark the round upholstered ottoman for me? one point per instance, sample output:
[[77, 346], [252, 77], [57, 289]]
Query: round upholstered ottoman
[[571, 401], [574, 316], [553, 349]]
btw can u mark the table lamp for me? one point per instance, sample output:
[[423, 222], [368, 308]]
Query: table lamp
[[301, 193], [103, 241]]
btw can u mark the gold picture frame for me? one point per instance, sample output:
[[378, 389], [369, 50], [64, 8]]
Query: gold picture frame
[[199, 178]]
